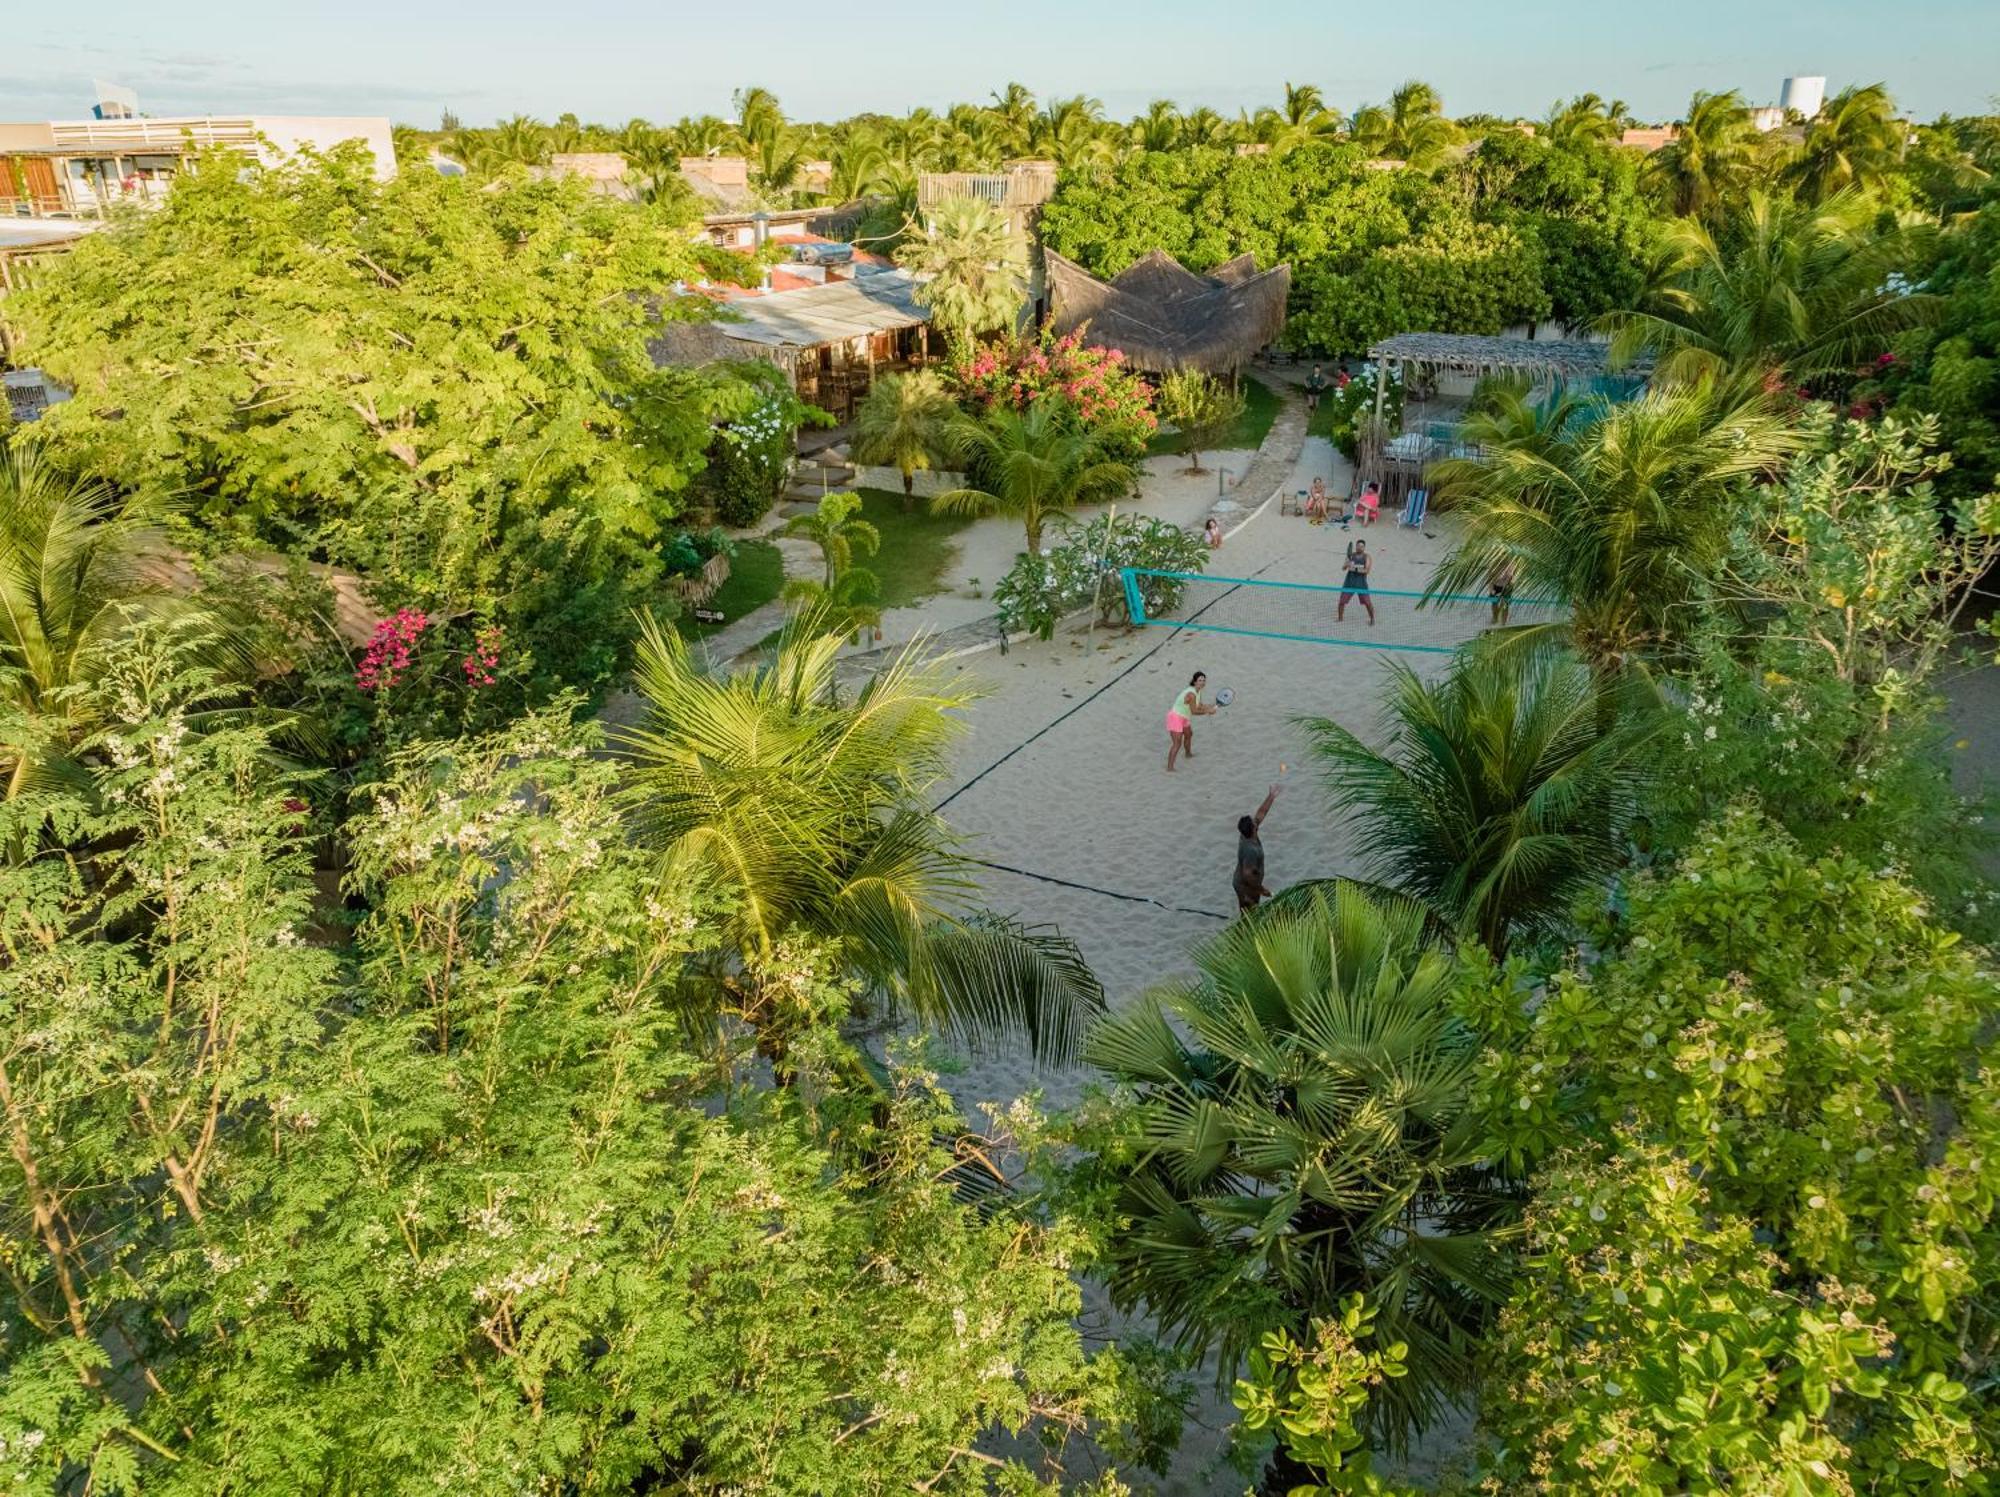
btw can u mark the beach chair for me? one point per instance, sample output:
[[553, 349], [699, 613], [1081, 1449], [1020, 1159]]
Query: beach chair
[[1414, 511]]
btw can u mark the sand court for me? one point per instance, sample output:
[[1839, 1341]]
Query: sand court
[[1062, 791]]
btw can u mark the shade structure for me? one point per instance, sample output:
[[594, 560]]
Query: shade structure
[[1165, 317], [1462, 353]]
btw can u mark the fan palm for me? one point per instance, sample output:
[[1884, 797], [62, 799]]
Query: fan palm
[[813, 814], [901, 425], [1619, 509], [1308, 1139], [1503, 789], [1034, 463], [975, 269], [1789, 290], [1855, 143], [1708, 158], [79, 566]]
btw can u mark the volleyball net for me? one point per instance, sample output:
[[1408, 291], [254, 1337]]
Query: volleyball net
[[1314, 613]]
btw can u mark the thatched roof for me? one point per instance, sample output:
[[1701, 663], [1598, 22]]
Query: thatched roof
[[1464, 354], [1166, 317]]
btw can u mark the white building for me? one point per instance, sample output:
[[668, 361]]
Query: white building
[[77, 168], [1806, 95]]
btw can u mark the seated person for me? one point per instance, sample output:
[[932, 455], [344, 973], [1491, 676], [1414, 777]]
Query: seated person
[[1369, 504], [1316, 502]]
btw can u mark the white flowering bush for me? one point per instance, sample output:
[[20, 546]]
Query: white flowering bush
[[1084, 567]]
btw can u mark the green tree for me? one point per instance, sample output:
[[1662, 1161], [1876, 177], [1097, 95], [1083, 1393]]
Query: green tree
[[836, 528], [1502, 792], [1587, 120], [975, 270], [1033, 463], [1200, 407], [448, 388], [1620, 509], [1765, 1232], [79, 568], [1854, 144], [1305, 1141], [813, 813], [1795, 292], [1412, 128], [1701, 168], [901, 425]]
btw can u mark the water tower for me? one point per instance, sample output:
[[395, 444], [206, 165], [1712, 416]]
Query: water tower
[[1803, 94]]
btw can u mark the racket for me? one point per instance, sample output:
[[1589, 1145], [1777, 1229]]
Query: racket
[[1224, 696]]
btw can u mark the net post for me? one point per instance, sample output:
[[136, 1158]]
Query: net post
[[1135, 605]]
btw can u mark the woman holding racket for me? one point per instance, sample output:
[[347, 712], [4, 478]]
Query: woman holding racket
[[1180, 718]]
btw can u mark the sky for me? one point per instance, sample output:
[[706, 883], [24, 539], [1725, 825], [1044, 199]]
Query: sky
[[610, 60]]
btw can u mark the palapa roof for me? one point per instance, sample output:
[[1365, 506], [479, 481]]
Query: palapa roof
[[1166, 317], [1466, 354], [751, 327]]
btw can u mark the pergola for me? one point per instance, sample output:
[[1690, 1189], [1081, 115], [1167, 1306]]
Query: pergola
[[1542, 361]]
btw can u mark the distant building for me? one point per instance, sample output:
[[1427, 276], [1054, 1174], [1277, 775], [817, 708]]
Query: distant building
[[1648, 137], [1768, 117], [78, 168], [1806, 95]]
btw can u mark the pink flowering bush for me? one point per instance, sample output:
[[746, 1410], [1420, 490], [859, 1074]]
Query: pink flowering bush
[[387, 657], [1110, 401], [429, 675]]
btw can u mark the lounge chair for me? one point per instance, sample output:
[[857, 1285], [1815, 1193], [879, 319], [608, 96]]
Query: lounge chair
[[1415, 510]]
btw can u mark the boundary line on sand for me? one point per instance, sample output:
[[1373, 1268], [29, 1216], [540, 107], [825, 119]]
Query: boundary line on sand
[[1049, 878], [1113, 681]]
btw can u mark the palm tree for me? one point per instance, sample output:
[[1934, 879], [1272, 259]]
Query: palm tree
[[702, 135], [975, 267], [1203, 127], [1855, 144], [520, 141], [1619, 509], [758, 115], [1503, 790], [1701, 167], [1787, 290], [1034, 463], [1159, 128], [79, 566], [901, 425], [1586, 120], [836, 527], [1014, 111], [1310, 1138], [813, 815], [1067, 131]]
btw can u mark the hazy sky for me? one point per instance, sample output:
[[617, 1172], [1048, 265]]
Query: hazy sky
[[611, 59]]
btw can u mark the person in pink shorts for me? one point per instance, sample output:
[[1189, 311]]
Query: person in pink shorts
[[1180, 718]]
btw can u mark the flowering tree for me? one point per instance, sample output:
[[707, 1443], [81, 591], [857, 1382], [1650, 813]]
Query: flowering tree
[[1108, 400]]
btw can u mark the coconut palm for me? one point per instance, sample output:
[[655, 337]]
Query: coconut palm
[[1587, 120], [1159, 128], [1618, 509], [1068, 131], [1708, 158], [836, 527], [1854, 144], [79, 566], [1502, 791], [1203, 127], [520, 141], [902, 423], [702, 135], [1786, 289], [975, 269], [1033, 463], [1307, 1139], [812, 815], [1014, 111]]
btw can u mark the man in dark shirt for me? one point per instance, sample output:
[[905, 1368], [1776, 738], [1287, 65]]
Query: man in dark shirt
[[1315, 387], [1250, 856]]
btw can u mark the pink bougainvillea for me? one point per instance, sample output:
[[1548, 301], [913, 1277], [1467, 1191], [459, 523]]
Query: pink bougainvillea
[[1109, 398], [389, 649], [485, 657]]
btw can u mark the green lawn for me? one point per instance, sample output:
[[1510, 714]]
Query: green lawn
[[1260, 409], [916, 547], [756, 576]]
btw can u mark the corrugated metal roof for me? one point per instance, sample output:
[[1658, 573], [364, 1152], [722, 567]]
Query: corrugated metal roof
[[41, 233], [833, 313]]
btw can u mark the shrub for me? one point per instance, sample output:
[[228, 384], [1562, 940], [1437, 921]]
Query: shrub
[[1109, 400], [688, 551], [749, 461], [1351, 400], [1084, 564]]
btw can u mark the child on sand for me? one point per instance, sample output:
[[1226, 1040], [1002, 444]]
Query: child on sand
[[1180, 718]]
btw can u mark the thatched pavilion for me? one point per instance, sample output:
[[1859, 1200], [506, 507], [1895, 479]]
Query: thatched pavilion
[[1397, 463], [1167, 318]]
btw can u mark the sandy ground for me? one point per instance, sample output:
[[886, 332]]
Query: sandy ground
[[988, 547], [1061, 775]]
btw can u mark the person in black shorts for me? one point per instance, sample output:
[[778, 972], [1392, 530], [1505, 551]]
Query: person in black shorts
[[1500, 587], [1359, 564], [1315, 387], [1249, 879]]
